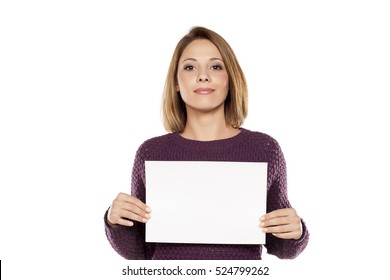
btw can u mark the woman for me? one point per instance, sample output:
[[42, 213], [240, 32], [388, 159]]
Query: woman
[[204, 106]]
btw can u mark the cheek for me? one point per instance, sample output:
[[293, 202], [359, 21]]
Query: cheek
[[182, 80], [223, 81]]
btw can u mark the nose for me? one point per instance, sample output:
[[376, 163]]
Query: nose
[[203, 77]]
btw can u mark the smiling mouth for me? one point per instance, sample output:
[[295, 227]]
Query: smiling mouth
[[204, 91]]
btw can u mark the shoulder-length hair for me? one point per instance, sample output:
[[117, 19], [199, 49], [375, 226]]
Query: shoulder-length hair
[[236, 103]]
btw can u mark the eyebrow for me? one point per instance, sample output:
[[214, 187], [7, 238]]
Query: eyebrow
[[211, 59]]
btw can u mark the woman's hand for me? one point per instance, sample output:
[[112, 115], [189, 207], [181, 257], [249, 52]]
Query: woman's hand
[[125, 208], [282, 223]]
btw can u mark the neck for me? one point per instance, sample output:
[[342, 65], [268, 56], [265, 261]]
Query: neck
[[208, 127]]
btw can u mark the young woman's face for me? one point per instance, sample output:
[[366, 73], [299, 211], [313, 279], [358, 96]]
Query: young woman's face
[[202, 77]]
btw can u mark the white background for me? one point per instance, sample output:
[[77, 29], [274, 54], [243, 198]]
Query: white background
[[81, 85]]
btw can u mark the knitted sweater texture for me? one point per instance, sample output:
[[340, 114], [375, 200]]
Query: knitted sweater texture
[[247, 146]]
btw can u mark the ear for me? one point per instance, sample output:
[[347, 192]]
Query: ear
[[177, 88]]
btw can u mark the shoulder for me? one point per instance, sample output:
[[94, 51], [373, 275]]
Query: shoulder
[[261, 138], [160, 142], [269, 150], [157, 140]]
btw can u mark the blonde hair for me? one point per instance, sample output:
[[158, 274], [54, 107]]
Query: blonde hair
[[236, 103]]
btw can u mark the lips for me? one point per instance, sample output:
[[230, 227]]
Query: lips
[[204, 91]]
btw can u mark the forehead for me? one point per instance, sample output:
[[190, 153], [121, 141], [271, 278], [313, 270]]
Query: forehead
[[200, 48]]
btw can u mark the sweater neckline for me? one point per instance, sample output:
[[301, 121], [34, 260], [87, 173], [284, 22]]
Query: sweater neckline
[[212, 144]]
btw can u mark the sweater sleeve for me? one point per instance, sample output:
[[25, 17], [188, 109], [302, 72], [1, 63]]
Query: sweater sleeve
[[277, 199], [129, 242]]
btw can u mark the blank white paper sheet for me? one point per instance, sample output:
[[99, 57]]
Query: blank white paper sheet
[[206, 201]]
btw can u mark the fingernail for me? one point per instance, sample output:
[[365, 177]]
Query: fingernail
[[147, 216], [144, 220], [264, 230], [148, 210], [262, 218], [262, 224]]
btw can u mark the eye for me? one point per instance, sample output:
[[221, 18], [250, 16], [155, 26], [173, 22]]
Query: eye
[[216, 67], [189, 67]]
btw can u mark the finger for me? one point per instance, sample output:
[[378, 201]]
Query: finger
[[131, 208], [288, 235], [133, 200], [125, 222], [286, 232], [126, 207], [124, 217], [281, 228], [274, 222], [280, 221], [278, 213], [132, 204], [133, 216], [126, 210]]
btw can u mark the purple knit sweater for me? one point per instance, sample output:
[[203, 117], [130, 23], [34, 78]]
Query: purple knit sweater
[[247, 146]]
